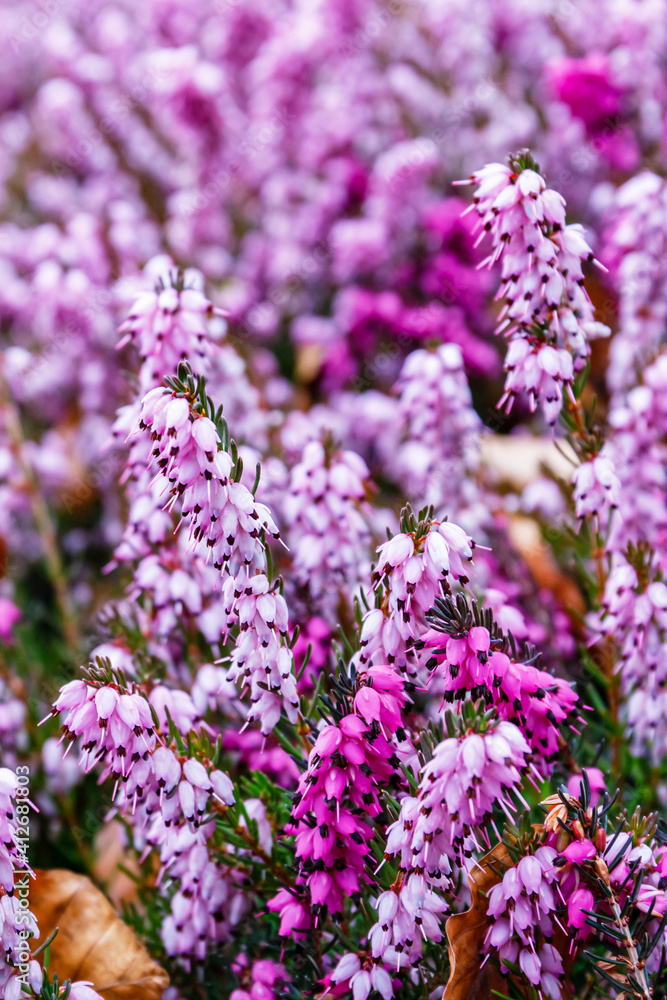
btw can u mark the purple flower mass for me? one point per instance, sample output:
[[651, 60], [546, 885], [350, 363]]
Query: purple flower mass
[[333, 469]]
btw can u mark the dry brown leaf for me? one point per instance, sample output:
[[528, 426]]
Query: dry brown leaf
[[92, 943], [465, 934], [309, 359]]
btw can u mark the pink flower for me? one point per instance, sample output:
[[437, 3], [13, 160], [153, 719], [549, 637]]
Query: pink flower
[[596, 487], [652, 899], [580, 900], [579, 850], [586, 86], [9, 615], [294, 916], [83, 991], [596, 780], [547, 314], [381, 698]]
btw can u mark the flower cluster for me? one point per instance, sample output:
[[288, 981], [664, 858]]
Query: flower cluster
[[547, 314], [522, 906], [168, 323], [413, 568], [324, 758], [634, 250], [478, 659], [259, 981], [466, 778], [440, 429], [634, 611], [328, 533], [224, 518], [338, 794], [261, 660], [170, 797]]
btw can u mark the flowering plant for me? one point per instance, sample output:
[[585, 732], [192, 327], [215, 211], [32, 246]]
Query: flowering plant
[[338, 665]]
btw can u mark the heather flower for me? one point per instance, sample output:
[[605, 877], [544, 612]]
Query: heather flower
[[83, 991], [523, 909], [459, 787], [114, 726], [170, 798], [224, 519], [535, 699], [408, 916], [336, 797], [380, 698], [596, 488], [261, 659], [636, 447], [634, 250], [361, 980], [259, 980], [325, 514], [547, 314], [439, 427], [169, 323], [636, 614], [413, 568], [482, 663], [580, 900]]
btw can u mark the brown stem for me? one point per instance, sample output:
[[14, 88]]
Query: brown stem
[[608, 664], [635, 966], [608, 660], [241, 831], [42, 518]]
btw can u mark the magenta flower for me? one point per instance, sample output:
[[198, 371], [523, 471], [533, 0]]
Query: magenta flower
[[587, 87], [9, 615], [580, 900], [381, 697], [547, 314], [338, 794], [579, 850]]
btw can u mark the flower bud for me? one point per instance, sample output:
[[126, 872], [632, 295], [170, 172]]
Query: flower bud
[[600, 839], [602, 871], [578, 830]]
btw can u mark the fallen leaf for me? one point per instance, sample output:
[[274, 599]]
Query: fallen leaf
[[92, 943], [309, 359], [465, 935]]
